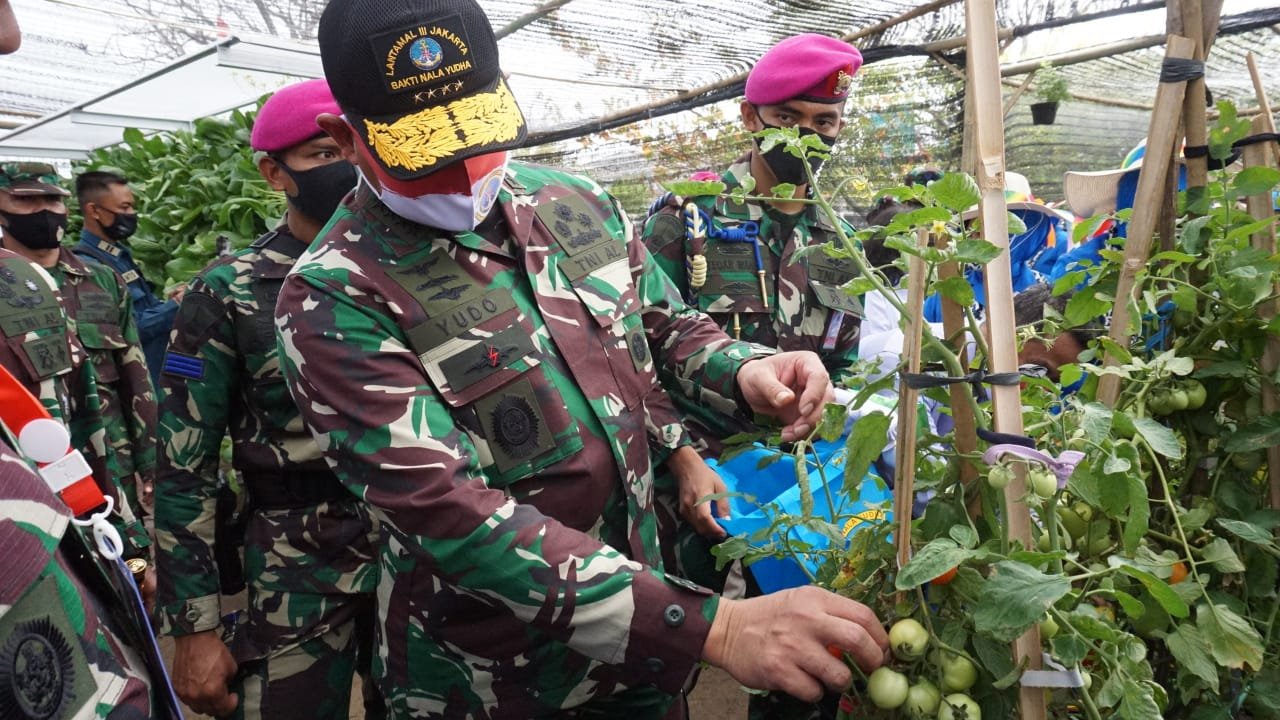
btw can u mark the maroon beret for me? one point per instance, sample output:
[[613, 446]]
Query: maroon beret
[[804, 67], [288, 117]]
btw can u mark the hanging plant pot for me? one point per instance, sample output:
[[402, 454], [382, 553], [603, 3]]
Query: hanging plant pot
[[1043, 113]]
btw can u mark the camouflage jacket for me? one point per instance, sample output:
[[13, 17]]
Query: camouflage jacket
[[486, 394], [66, 649], [42, 351], [806, 308], [154, 317], [37, 348], [222, 375], [100, 308]]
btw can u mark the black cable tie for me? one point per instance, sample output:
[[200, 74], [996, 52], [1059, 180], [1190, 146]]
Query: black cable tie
[[1175, 70], [997, 438], [925, 381], [1255, 139]]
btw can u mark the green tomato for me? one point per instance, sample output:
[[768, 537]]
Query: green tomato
[[887, 688], [1043, 483], [1196, 394], [1048, 628], [908, 639], [958, 673], [1087, 678], [959, 706], [1072, 522], [1179, 400], [1000, 476], [1160, 402], [1248, 461], [923, 699], [1084, 510]]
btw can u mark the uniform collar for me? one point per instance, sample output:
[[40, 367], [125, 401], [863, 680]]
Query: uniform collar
[[115, 250], [69, 263]]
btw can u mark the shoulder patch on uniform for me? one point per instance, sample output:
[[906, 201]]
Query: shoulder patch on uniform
[[187, 366], [198, 314], [664, 229]]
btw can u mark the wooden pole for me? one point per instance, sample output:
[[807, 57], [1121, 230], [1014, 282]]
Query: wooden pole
[[1022, 88], [984, 76], [905, 450], [1261, 206], [1264, 104], [1162, 135], [1193, 107]]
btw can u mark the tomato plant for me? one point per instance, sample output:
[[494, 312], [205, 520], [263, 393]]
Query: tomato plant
[[1153, 572]]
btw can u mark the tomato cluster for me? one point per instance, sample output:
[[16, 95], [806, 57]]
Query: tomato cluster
[[920, 699], [1184, 395]]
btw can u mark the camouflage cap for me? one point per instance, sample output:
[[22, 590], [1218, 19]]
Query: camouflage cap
[[30, 178]]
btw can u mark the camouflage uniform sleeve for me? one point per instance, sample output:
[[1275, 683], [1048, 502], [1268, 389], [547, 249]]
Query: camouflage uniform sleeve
[[695, 358], [195, 417], [392, 440], [137, 395], [664, 237]]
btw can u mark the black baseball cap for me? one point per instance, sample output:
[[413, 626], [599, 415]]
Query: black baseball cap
[[419, 81]]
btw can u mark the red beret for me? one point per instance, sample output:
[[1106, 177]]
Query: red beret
[[288, 117], [806, 67]]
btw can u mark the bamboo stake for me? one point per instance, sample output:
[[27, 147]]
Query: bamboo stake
[[966, 425], [1022, 88], [1193, 110], [1260, 206], [1161, 138], [1264, 104], [905, 450], [984, 70]]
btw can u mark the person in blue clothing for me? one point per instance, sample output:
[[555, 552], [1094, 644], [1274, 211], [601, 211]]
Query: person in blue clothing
[[1033, 253], [110, 218]]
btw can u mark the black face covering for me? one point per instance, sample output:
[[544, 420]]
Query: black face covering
[[320, 189], [788, 168], [122, 227], [38, 230]]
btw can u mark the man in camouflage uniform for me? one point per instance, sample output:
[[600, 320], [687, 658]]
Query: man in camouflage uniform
[[309, 543], [472, 341], [738, 262], [111, 408], [755, 286], [110, 219], [73, 640]]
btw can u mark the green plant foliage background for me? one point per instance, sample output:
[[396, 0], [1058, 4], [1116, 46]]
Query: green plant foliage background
[[193, 188]]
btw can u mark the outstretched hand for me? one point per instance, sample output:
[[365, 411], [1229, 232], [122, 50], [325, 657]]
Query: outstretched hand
[[791, 386], [779, 641]]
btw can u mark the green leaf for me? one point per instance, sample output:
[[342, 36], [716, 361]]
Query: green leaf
[[931, 561], [1069, 649], [831, 427], [1224, 368], [1160, 438], [1084, 230], [964, 536], [998, 661], [692, 188], [783, 190], [976, 251], [1015, 224], [866, 441], [1139, 519], [1131, 605], [1258, 434], [1096, 421], [1137, 700], [957, 289], [1189, 648], [1016, 597], [1254, 181], [1222, 556], [956, 192], [1160, 590], [1232, 640], [1248, 532]]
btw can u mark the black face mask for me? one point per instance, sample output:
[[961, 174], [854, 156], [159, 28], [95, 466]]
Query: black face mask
[[788, 168], [38, 230], [120, 229], [320, 189]]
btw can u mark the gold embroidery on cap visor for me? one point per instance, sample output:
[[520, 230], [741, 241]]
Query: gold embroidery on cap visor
[[425, 138], [843, 82]]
